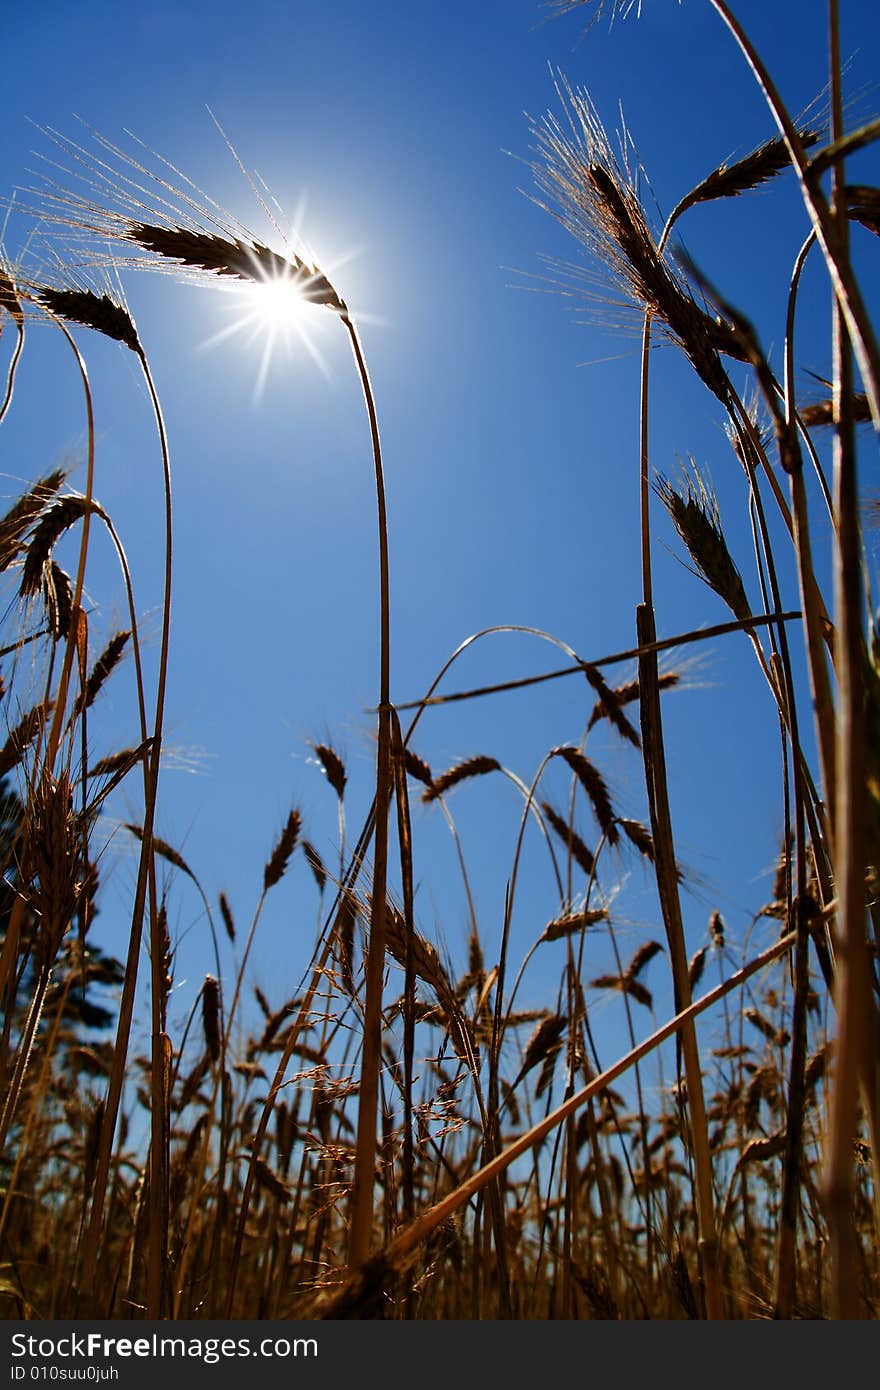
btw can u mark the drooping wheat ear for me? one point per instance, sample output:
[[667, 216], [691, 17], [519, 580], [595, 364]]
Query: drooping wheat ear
[[582, 856], [629, 692], [102, 669], [544, 1042], [695, 514], [697, 965], [52, 525], [277, 864], [572, 922], [594, 198], [759, 167], [99, 312], [593, 784], [470, 767], [234, 257], [333, 767]]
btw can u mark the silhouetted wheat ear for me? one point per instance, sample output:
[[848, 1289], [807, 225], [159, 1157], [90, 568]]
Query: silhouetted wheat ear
[[694, 512], [277, 864], [226, 914], [95, 311], [211, 1017], [269, 1180], [51, 527], [593, 784], [471, 767], [242, 260], [333, 767], [697, 965], [544, 1040]]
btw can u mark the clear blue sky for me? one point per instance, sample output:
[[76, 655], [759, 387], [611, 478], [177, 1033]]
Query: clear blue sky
[[509, 424]]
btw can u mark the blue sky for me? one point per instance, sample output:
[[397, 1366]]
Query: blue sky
[[509, 423]]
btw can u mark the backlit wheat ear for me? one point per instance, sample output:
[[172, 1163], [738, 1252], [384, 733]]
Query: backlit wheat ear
[[573, 922], [864, 206], [242, 260], [594, 198], [21, 516]]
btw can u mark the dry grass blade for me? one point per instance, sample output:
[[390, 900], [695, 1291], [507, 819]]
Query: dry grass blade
[[277, 864], [91, 310], [471, 767], [593, 784]]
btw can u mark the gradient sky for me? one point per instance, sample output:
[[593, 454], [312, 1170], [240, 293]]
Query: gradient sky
[[509, 422]]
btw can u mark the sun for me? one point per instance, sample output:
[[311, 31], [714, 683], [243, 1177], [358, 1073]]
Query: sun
[[276, 312]]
